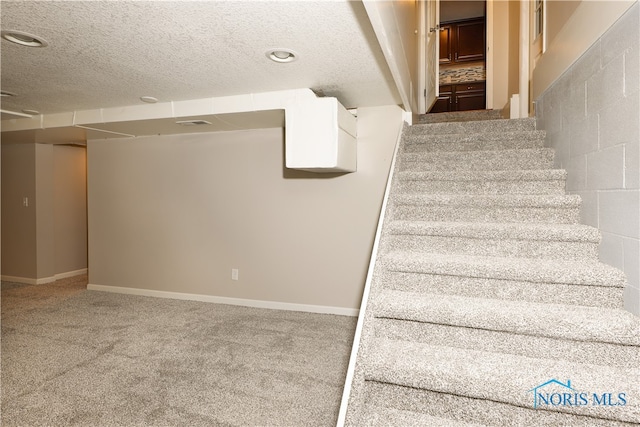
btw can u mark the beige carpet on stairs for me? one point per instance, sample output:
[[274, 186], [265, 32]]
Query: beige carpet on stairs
[[488, 303]]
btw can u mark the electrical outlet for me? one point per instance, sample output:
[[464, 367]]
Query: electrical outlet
[[234, 274], [25, 202]]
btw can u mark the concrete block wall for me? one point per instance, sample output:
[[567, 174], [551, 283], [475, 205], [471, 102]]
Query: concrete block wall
[[592, 118]]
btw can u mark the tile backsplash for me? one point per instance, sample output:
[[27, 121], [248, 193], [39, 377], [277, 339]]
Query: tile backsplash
[[465, 74]]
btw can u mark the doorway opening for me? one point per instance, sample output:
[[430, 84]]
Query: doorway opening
[[462, 58]]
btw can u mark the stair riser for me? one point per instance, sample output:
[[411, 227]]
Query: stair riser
[[464, 409], [444, 143], [504, 342], [510, 290], [556, 187], [493, 247], [496, 160], [486, 214], [494, 126]]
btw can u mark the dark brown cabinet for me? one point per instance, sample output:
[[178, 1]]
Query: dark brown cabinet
[[469, 96], [460, 97], [462, 41], [446, 50]]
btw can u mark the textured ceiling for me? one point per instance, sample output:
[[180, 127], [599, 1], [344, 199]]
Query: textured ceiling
[[109, 53]]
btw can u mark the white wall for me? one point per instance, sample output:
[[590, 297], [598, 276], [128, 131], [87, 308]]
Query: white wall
[[177, 213]]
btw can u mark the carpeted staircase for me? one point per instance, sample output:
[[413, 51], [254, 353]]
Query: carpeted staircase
[[486, 287]]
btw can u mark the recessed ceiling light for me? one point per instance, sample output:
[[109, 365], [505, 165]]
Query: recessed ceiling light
[[7, 93], [281, 55], [148, 99], [24, 39], [32, 112]]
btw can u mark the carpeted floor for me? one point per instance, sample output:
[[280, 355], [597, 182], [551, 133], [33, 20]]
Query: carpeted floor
[[77, 357]]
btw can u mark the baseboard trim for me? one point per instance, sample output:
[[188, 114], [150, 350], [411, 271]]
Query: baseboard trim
[[73, 273], [44, 280], [273, 305], [28, 280]]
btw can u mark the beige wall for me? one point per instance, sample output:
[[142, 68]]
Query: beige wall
[[498, 41], [407, 18], [176, 213], [70, 208], [514, 49], [572, 36], [395, 24], [44, 239], [557, 14], [18, 222], [591, 118]]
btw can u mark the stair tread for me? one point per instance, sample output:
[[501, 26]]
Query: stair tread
[[498, 341], [450, 116], [506, 200], [479, 126], [487, 230], [474, 137], [572, 322], [524, 269], [499, 377], [492, 175], [490, 153], [385, 417]]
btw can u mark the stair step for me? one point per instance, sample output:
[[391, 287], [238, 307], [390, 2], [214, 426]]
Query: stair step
[[460, 116], [530, 158], [486, 289], [386, 417], [466, 409], [467, 127], [500, 377], [545, 181], [516, 269], [511, 290], [471, 142], [596, 353], [487, 208], [527, 240], [576, 323]]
